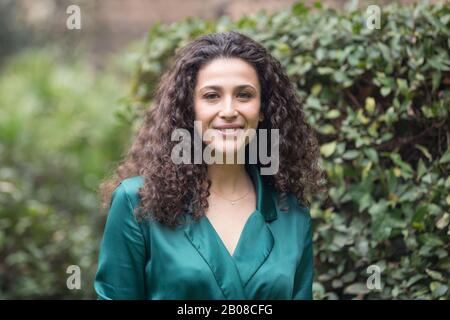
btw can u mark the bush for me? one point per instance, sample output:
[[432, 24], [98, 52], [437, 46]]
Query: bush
[[58, 138], [379, 101]]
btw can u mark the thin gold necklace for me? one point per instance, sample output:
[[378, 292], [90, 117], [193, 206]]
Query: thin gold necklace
[[233, 202]]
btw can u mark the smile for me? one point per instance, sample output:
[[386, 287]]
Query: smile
[[229, 132]]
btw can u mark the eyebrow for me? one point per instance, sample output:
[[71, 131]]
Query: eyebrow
[[218, 88]]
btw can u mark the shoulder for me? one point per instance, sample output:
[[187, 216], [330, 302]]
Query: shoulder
[[299, 210], [128, 189], [132, 185], [295, 224], [302, 218], [295, 207]]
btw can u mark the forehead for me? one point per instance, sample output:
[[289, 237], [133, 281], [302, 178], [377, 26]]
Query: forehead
[[227, 71]]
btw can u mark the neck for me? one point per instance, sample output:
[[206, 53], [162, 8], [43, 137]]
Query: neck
[[229, 179]]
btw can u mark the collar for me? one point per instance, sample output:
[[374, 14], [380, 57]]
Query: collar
[[264, 194]]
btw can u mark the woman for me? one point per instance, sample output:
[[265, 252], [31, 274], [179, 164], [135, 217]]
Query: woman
[[214, 230]]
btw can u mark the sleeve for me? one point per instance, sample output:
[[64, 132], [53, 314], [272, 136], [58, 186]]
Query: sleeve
[[121, 262], [304, 274]]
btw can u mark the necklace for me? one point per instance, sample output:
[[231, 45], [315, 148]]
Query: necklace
[[233, 202]]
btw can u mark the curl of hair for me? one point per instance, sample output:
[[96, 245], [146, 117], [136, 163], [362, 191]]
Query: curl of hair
[[170, 189]]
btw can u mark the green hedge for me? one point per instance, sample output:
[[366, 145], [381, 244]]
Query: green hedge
[[379, 101]]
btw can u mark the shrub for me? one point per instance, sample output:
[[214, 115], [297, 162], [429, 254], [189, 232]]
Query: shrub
[[58, 139]]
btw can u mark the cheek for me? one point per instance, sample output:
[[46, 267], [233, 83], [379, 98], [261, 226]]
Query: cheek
[[202, 114], [252, 115], [199, 110]]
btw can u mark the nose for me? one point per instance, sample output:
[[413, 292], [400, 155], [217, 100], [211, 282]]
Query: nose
[[228, 110]]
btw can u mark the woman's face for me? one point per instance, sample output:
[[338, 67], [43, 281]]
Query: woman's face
[[227, 102]]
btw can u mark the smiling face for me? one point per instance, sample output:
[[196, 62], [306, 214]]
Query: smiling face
[[227, 102]]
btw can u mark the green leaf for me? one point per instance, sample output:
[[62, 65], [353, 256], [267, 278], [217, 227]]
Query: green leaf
[[435, 275], [328, 149], [431, 240], [356, 288], [385, 91], [315, 90], [385, 51], [421, 169], [446, 157], [299, 9], [436, 80], [339, 240], [406, 167], [438, 289], [370, 105], [332, 114], [325, 70], [402, 85], [365, 202], [327, 129], [443, 221], [436, 63], [350, 154], [313, 103], [414, 279], [372, 154], [424, 150]]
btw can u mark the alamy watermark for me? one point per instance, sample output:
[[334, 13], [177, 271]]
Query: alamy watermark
[[73, 282], [73, 21], [213, 152], [374, 280], [373, 17]]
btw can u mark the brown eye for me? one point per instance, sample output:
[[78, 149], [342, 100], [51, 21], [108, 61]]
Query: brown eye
[[211, 96], [245, 95]]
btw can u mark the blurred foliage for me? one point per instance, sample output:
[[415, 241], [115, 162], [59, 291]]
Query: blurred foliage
[[27, 24], [12, 37], [59, 136], [379, 101]]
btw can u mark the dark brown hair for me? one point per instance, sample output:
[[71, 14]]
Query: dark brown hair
[[170, 188]]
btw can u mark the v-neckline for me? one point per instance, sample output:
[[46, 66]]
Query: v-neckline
[[247, 222], [255, 243], [238, 244]]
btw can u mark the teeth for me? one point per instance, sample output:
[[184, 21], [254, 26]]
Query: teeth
[[230, 131]]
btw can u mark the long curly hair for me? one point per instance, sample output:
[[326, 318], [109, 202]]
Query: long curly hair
[[170, 189]]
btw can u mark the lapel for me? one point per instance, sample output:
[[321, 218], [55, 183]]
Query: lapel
[[256, 241]]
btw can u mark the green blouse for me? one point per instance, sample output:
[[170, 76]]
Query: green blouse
[[273, 258]]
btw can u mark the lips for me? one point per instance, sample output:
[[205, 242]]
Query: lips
[[229, 130], [229, 126]]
